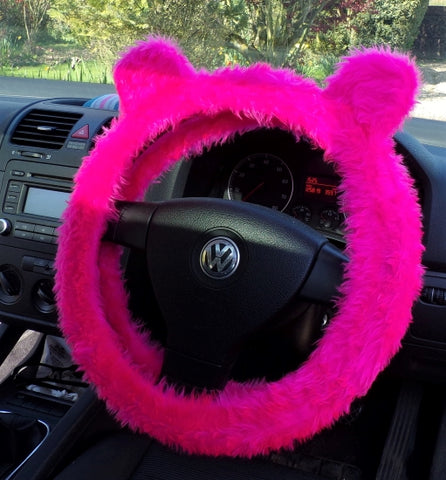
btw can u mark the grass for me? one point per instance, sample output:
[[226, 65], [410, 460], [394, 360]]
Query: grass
[[50, 60], [80, 71]]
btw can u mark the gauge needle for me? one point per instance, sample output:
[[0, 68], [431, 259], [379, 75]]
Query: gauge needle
[[254, 190]]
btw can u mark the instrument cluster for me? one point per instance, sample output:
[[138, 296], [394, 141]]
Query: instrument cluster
[[274, 169]]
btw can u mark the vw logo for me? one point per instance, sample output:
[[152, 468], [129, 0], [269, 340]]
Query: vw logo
[[219, 258]]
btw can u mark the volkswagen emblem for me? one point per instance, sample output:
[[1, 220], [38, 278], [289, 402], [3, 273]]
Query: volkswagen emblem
[[219, 258]]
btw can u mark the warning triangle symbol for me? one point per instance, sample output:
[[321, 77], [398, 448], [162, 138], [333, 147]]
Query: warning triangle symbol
[[83, 133]]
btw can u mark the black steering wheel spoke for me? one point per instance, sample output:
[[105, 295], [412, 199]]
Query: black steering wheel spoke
[[321, 285], [132, 226]]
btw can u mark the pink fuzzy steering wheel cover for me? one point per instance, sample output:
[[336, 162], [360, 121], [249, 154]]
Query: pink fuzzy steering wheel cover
[[352, 119]]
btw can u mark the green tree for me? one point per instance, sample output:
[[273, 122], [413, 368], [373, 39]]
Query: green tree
[[212, 32], [391, 22], [277, 31], [193, 24], [10, 13], [103, 26], [108, 26], [285, 33], [25, 17], [34, 14]]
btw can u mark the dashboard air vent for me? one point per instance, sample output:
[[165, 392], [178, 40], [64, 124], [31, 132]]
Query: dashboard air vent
[[44, 129]]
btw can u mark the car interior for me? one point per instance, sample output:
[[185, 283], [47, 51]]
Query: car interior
[[53, 422]]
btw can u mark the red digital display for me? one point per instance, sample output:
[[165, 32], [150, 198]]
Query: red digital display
[[323, 187]]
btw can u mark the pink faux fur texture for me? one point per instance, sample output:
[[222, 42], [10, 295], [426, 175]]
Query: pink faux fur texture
[[169, 110]]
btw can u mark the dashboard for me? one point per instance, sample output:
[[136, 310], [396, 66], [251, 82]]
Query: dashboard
[[43, 142]]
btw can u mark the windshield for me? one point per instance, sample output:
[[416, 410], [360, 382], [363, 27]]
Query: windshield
[[79, 40]]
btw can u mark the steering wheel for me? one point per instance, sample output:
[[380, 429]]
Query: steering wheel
[[222, 270]]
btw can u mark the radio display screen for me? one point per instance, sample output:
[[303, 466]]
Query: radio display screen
[[45, 203]]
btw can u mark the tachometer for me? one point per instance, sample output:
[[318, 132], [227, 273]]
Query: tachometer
[[264, 179]]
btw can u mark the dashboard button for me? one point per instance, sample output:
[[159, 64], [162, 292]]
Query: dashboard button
[[23, 234], [29, 227], [42, 238], [8, 208], [44, 230], [14, 188], [82, 133]]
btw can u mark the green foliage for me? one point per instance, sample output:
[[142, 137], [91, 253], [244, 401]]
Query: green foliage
[[392, 22], [317, 66], [14, 50], [259, 30], [102, 26], [272, 31], [8, 50], [34, 14], [279, 31], [106, 27], [24, 17], [192, 23], [11, 13], [212, 32], [306, 35]]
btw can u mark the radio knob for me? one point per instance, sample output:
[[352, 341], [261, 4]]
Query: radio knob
[[5, 226]]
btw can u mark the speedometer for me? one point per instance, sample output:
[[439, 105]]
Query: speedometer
[[264, 179]]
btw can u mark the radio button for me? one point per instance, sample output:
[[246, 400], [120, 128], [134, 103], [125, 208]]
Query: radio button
[[14, 187], [29, 227], [18, 173], [23, 234], [44, 230], [8, 208], [11, 197], [42, 238]]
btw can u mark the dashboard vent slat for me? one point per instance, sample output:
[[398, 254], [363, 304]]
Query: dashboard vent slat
[[45, 129]]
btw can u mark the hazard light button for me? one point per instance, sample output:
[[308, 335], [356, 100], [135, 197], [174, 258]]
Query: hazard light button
[[82, 133]]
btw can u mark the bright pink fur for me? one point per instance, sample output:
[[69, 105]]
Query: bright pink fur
[[352, 119]]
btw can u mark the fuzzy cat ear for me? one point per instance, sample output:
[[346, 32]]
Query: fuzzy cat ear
[[379, 86], [149, 68]]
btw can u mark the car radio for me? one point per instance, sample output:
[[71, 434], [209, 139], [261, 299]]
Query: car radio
[[33, 197]]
